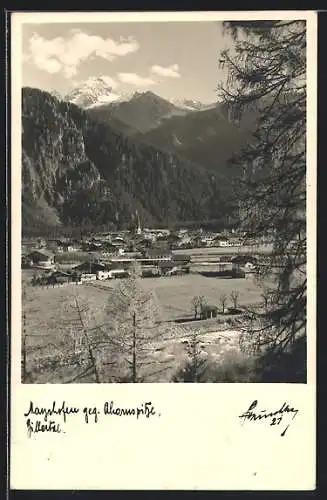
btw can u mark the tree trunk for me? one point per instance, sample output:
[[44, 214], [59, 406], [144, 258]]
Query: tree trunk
[[24, 359], [134, 349]]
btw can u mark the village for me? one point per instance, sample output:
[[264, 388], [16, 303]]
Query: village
[[156, 252], [202, 281]]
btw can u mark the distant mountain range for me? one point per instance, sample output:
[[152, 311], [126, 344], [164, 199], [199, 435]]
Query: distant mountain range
[[129, 113], [191, 105], [77, 171], [202, 133], [97, 91], [97, 164], [141, 113]]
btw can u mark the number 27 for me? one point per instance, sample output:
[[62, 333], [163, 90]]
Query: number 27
[[276, 421]]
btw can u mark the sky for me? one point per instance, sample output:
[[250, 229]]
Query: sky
[[176, 60]]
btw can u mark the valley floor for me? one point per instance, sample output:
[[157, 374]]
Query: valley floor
[[50, 320]]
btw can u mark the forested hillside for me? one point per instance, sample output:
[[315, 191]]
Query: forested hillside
[[76, 171], [207, 137]]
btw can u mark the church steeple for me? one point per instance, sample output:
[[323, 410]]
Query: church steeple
[[139, 229]]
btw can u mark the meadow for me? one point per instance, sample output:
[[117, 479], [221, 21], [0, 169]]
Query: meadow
[[175, 293], [50, 321]]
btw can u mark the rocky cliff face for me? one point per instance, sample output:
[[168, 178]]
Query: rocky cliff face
[[51, 143]]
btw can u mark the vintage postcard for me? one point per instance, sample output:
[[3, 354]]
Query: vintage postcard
[[163, 250]]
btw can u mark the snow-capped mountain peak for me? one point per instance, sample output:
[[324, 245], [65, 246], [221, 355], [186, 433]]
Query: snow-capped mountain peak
[[94, 90], [99, 90], [190, 104]]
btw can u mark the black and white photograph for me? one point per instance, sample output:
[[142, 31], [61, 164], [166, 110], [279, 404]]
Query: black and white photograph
[[164, 202]]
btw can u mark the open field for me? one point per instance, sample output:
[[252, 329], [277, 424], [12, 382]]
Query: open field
[[50, 320], [175, 293]]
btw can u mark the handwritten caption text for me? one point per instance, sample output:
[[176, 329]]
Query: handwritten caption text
[[53, 418]]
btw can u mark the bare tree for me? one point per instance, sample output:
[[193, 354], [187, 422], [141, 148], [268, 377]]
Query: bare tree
[[139, 333], [93, 364], [198, 303], [195, 303], [266, 296], [223, 301], [203, 304], [234, 298]]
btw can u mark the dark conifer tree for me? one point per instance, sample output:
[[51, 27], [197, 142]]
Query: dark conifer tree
[[267, 72]]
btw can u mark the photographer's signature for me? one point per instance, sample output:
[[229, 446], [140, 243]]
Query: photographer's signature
[[273, 417]]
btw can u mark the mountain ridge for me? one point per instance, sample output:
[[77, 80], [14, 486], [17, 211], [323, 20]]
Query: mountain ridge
[[144, 111], [77, 171], [206, 137], [131, 112]]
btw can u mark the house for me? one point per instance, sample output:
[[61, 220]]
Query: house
[[150, 237], [181, 259], [185, 240], [59, 245], [157, 232], [91, 267], [235, 242], [208, 312], [118, 273], [60, 277], [88, 277], [40, 258], [70, 247], [92, 247], [158, 253], [106, 237], [121, 262], [96, 243], [223, 242], [143, 243], [107, 246], [118, 240], [207, 240], [150, 273], [102, 275]]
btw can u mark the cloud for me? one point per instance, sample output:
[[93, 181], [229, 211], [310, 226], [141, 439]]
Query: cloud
[[169, 72], [135, 79], [66, 54], [50, 65]]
